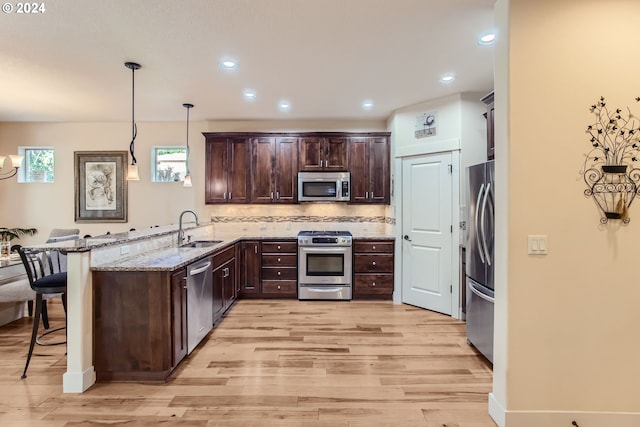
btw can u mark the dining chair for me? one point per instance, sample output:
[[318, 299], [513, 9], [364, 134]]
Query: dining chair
[[43, 280]]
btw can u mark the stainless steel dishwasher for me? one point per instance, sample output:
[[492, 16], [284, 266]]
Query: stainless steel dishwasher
[[199, 301]]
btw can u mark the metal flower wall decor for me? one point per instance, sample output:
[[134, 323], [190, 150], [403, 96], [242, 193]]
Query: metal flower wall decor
[[610, 169]]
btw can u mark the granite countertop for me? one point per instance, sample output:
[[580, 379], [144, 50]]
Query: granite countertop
[[166, 259], [169, 258]]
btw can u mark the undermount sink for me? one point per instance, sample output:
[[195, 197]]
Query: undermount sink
[[201, 243]]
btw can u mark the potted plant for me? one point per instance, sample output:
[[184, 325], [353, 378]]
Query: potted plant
[[8, 234], [609, 170]]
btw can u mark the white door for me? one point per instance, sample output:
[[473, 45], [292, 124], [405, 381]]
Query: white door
[[427, 232]]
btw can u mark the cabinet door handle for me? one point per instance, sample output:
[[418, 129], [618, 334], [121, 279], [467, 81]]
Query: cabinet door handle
[[366, 195], [272, 195], [320, 163], [374, 263], [230, 195], [278, 259], [374, 247], [255, 249], [278, 247], [326, 163], [278, 273], [371, 194], [224, 195], [373, 284], [277, 195], [278, 287]]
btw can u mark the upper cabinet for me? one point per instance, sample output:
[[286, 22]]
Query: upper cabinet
[[274, 164], [369, 167], [488, 100], [227, 170], [246, 167], [323, 154]]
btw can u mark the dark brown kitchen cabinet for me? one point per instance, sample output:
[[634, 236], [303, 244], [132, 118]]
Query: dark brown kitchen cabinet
[[224, 282], [373, 266], [489, 115], [369, 168], [249, 268], [179, 314], [227, 170], [140, 324], [274, 165], [323, 154], [279, 272]]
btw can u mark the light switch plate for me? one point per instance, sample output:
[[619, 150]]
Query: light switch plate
[[537, 245]]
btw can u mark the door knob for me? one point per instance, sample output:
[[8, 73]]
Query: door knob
[[406, 237]]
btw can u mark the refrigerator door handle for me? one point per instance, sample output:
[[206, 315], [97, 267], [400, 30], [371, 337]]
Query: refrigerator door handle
[[481, 295], [477, 224], [485, 247]]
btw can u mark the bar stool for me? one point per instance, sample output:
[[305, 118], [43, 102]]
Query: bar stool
[[43, 280]]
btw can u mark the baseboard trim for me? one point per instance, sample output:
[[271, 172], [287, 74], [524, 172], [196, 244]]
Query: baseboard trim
[[496, 411], [78, 382], [506, 418]]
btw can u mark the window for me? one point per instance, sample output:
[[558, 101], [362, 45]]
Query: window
[[38, 164], [170, 163]]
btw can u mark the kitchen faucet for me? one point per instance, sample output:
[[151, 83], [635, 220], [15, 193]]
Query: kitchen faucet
[[180, 231]]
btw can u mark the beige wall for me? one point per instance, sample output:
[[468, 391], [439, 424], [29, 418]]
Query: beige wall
[[51, 205], [570, 342]]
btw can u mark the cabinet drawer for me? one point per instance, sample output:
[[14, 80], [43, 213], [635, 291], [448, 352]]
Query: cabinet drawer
[[289, 287], [279, 247], [223, 256], [373, 263], [373, 284], [373, 247], [276, 273], [279, 260]]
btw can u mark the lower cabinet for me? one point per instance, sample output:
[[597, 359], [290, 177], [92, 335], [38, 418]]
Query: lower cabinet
[[279, 269], [179, 315], [373, 269], [140, 324], [249, 262], [224, 282]]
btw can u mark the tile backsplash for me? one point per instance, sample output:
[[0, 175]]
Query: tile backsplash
[[288, 219]]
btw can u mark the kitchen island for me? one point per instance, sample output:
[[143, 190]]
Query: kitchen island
[[152, 251]]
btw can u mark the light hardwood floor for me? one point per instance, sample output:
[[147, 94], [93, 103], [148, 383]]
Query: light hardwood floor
[[273, 363]]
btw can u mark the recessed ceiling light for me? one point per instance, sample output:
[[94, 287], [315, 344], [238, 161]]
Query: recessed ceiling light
[[486, 39], [447, 78], [228, 64], [249, 94], [367, 105], [284, 105]]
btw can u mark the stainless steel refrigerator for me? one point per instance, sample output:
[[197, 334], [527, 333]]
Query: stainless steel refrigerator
[[480, 259]]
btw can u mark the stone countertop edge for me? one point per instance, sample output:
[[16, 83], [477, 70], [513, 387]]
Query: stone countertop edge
[[127, 237]]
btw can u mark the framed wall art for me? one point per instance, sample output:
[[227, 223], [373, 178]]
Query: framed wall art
[[100, 186]]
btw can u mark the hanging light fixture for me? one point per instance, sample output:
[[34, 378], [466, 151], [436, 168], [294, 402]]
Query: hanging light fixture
[[187, 177], [16, 162], [132, 172]]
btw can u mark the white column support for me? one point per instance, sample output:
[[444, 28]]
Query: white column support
[[80, 373]]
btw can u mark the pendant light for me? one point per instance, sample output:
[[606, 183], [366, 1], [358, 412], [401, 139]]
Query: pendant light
[[187, 177], [132, 172]]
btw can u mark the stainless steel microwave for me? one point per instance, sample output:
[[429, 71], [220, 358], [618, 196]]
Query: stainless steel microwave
[[324, 186]]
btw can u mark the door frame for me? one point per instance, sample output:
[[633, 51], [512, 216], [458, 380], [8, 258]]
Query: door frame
[[456, 296]]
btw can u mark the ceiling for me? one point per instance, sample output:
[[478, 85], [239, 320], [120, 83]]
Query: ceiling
[[325, 57]]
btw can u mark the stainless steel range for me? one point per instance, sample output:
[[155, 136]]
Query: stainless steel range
[[324, 265]]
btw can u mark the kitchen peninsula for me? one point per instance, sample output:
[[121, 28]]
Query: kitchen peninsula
[[95, 263]]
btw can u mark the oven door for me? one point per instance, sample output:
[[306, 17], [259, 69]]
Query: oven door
[[324, 265]]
